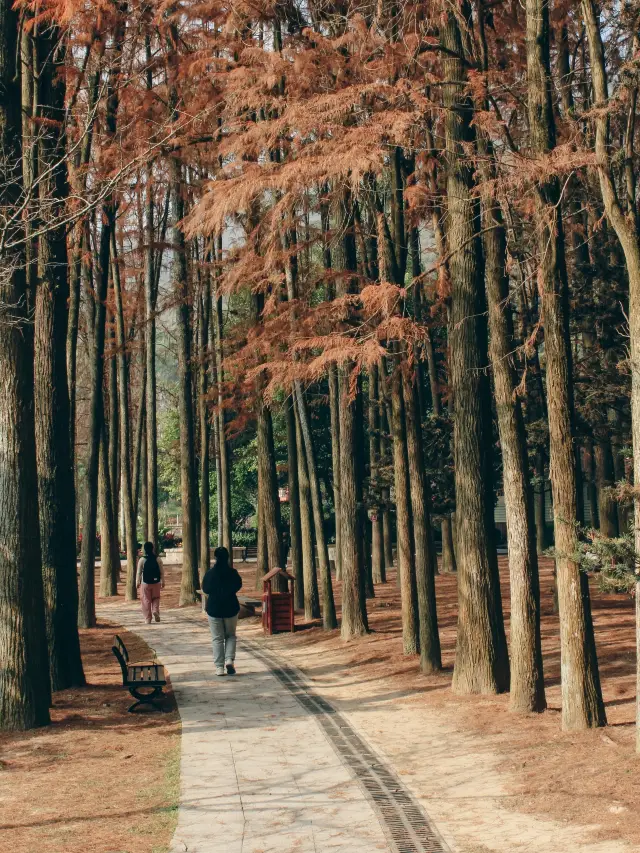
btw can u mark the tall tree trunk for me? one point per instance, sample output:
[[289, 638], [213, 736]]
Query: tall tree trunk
[[190, 580], [225, 468], [540, 507], [605, 479], [205, 431], [56, 487], [354, 608], [311, 598], [430, 655], [404, 521], [271, 520], [150, 298], [114, 438], [295, 530], [482, 663], [334, 405], [329, 620], [125, 432], [582, 704], [377, 544], [527, 679], [109, 551], [24, 676], [87, 609]]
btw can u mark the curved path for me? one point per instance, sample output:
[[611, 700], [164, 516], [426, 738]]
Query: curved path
[[267, 766]]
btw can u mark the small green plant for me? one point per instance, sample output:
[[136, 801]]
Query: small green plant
[[613, 560]]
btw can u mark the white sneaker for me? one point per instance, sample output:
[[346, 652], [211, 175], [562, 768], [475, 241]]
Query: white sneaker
[[220, 670]]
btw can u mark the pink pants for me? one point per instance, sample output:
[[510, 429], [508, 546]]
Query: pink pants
[[150, 599]]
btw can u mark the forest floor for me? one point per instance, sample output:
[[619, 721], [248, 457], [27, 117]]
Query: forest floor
[[98, 778], [472, 761]]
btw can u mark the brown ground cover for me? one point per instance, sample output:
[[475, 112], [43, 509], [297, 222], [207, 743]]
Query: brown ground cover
[[98, 778]]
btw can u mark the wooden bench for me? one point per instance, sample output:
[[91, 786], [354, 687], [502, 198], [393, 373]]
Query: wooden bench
[[251, 553], [139, 677]]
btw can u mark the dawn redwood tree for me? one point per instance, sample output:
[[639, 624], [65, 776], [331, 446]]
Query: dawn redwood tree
[[582, 704], [190, 581], [295, 529], [24, 674], [56, 487], [482, 662]]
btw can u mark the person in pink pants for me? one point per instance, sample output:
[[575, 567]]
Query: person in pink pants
[[150, 580]]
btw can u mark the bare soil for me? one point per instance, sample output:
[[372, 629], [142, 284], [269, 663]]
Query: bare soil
[[98, 778]]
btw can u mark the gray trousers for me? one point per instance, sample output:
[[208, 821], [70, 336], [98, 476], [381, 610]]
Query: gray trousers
[[223, 640]]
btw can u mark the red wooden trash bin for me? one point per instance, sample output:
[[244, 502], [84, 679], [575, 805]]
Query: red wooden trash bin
[[277, 607]]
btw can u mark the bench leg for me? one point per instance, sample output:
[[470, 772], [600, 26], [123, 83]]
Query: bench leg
[[145, 698]]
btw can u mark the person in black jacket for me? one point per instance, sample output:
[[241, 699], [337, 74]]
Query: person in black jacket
[[220, 584]]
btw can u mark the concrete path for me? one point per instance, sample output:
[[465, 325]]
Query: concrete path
[[258, 773]]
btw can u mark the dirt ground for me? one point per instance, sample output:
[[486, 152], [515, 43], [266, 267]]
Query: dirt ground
[[98, 778]]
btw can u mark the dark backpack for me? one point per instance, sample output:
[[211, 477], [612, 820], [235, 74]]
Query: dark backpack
[[151, 570]]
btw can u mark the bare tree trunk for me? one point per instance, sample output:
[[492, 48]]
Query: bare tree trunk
[[24, 675], [354, 609], [527, 679], [205, 431], [605, 479], [430, 655], [125, 432], [270, 503], [482, 663], [295, 529], [114, 440], [582, 704], [150, 300], [262, 562], [377, 544], [329, 620], [190, 580], [404, 521], [109, 551], [540, 506], [311, 598], [56, 487], [87, 611], [225, 472], [334, 404]]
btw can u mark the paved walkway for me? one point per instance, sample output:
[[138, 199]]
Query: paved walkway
[[259, 774]]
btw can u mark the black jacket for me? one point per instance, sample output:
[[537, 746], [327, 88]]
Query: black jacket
[[221, 585]]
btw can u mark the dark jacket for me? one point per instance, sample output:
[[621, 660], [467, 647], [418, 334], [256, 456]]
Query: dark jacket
[[221, 585]]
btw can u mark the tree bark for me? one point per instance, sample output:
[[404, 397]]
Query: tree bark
[[225, 467], [334, 404], [190, 581], [482, 663], [605, 479], [125, 432], [404, 521], [109, 550], [328, 606], [295, 529], [56, 487], [271, 520], [354, 609], [582, 704], [205, 430], [527, 679], [311, 598], [150, 301], [430, 655], [377, 543], [24, 675]]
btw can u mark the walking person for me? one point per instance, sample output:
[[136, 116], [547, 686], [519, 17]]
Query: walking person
[[150, 580], [220, 584]]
